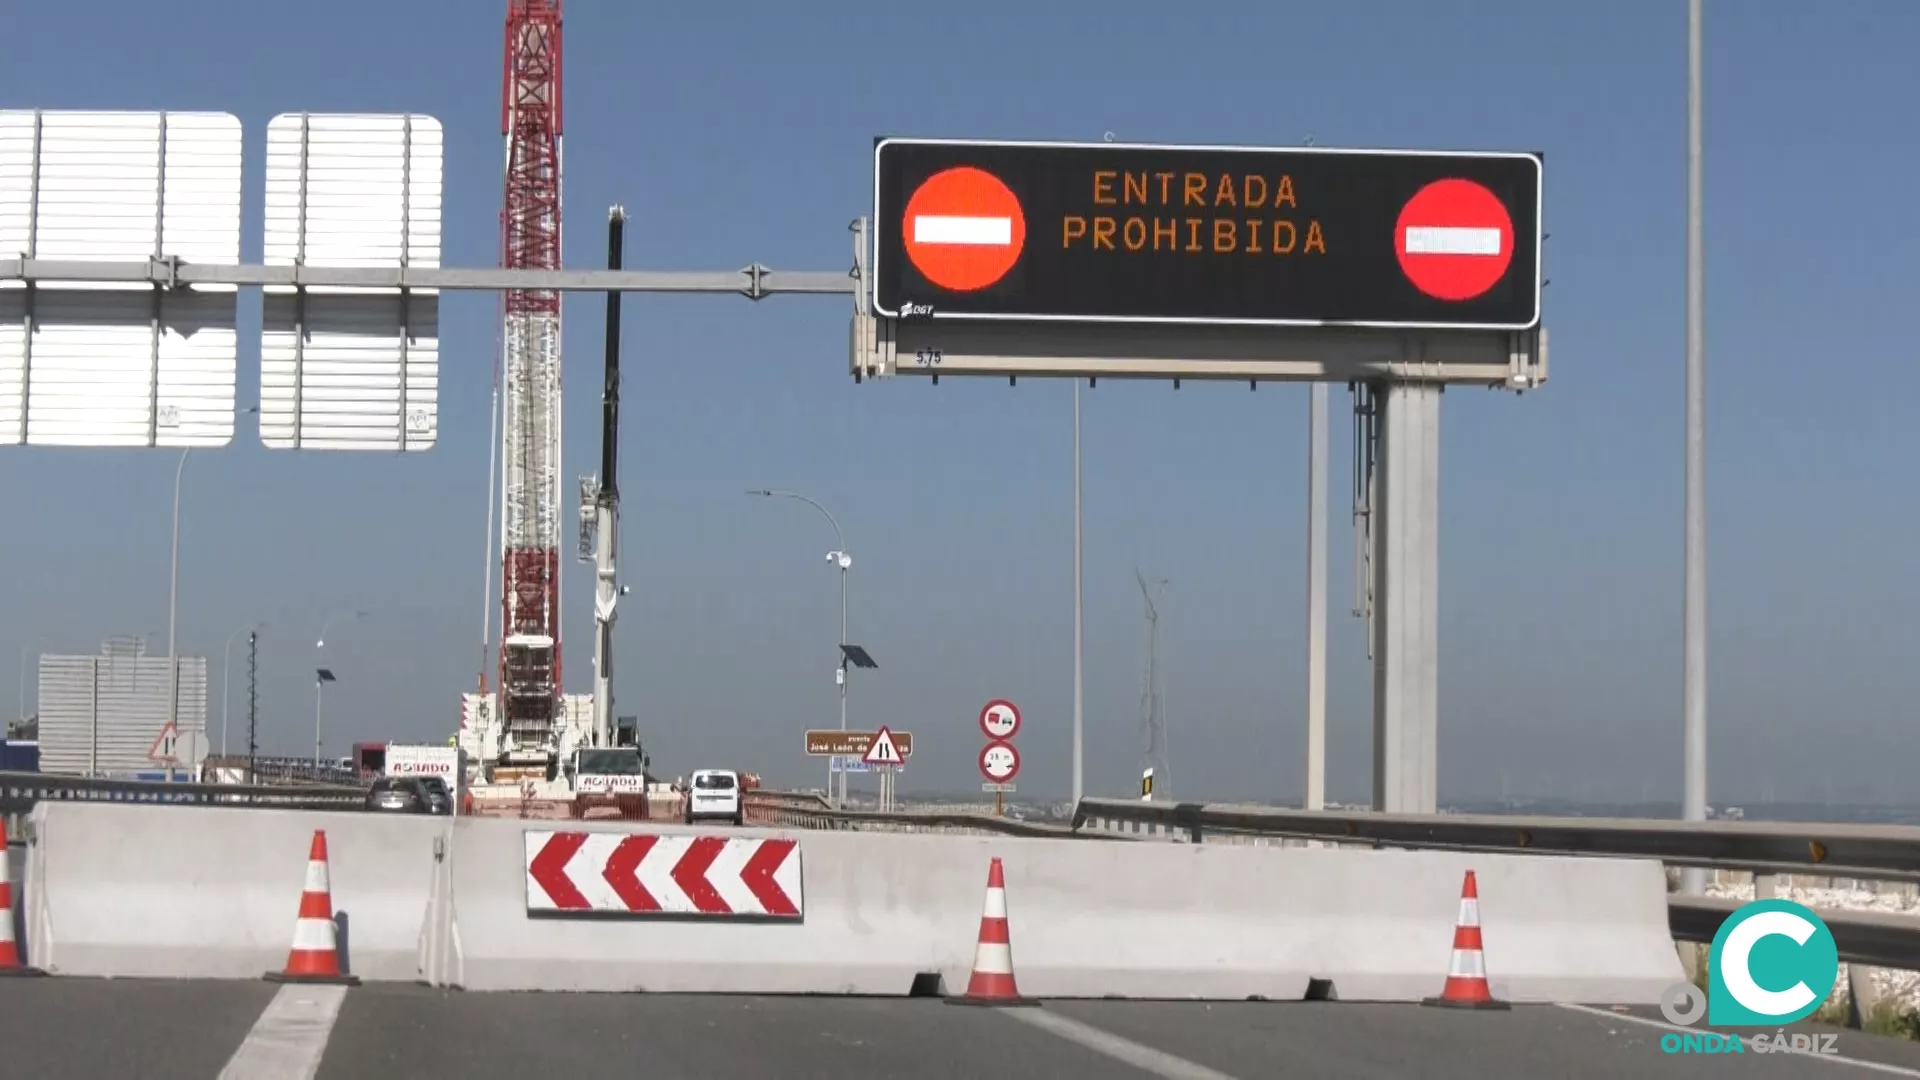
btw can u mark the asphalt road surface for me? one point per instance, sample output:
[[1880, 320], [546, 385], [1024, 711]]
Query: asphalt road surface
[[80, 1029]]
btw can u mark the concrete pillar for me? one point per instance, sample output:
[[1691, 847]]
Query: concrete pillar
[[1406, 652], [1693, 959], [1863, 995]]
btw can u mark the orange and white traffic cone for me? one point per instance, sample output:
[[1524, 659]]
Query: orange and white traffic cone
[[1466, 986], [315, 957], [10, 962], [992, 980]]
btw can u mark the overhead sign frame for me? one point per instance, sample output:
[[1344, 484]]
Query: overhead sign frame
[[1058, 277]]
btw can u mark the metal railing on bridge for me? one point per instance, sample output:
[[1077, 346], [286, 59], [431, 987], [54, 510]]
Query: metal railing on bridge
[[1872, 852], [285, 770], [20, 791], [792, 810]]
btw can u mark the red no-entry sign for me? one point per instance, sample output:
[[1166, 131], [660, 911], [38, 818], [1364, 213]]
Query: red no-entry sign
[[1454, 239], [964, 229]]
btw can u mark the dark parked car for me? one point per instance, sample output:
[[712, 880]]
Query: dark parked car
[[400, 795]]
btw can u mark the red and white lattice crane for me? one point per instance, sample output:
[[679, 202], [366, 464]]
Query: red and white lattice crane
[[529, 377]]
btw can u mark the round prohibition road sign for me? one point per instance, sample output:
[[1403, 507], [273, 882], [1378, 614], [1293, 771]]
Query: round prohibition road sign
[[1454, 239], [1000, 719], [999, 762], [964, 229]]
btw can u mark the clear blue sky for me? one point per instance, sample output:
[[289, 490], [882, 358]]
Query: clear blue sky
[[748, 137]]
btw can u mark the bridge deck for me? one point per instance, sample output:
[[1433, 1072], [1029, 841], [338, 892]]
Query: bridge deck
[[69, 1029]]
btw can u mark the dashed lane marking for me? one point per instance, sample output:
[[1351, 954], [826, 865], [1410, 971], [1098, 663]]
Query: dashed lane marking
[[1158, 1062], [286, 1043]]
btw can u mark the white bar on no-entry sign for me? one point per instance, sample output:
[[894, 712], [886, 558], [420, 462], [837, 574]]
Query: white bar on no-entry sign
[[1451, 240], [931, 229]]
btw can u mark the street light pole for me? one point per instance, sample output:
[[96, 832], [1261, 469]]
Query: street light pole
[[845, 562], [173, 606], [843, 559], [319, 700], [226, 663], [320, 681], [1693, 689]]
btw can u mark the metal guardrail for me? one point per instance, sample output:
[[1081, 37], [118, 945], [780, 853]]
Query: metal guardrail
[[1872, 852], [1874, 938], [20, 791], [287, 770], [799, 815], [806, 811], [1869, 852]]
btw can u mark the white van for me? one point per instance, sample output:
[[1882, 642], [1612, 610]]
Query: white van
[[714, 793]]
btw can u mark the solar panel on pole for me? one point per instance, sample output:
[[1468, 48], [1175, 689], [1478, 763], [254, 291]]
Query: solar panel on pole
[[108, 363], [351, 368]]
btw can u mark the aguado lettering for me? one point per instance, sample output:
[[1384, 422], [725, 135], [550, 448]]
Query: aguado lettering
[[1193, 212]]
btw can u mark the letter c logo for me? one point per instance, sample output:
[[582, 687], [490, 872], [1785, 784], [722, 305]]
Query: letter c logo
[[1736, 963], [1773, 962]]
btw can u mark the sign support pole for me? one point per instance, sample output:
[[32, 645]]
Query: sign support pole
[[1406, 567], [1079, 621], [1316, 793]]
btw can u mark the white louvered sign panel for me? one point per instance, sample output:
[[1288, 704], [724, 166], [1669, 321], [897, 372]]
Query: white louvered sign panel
[[110, 364], [351, 369], [100, 715]]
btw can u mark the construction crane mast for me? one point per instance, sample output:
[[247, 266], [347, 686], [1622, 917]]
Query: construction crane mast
[[530, 115]]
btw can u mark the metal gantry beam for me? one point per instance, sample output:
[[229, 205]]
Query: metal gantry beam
[[754, 281]]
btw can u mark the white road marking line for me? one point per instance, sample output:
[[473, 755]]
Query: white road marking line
[[287, 1041], [1452, 240], [1146, 1058], [1831, 1059], [953, 229]]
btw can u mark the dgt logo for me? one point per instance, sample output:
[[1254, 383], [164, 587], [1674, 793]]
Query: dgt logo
[[1772, 963]]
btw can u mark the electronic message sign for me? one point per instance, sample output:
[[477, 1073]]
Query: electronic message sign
[[1123, 233]]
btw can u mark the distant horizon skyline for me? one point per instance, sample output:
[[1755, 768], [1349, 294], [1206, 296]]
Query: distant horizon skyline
[[1756, 791]]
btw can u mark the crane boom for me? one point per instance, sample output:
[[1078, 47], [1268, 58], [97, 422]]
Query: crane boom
[[530, 121]]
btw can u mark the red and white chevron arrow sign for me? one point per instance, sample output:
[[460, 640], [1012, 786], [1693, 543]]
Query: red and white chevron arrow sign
[[647, 874]]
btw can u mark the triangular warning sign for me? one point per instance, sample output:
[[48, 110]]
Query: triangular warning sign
[[163, 747], [882, 751]]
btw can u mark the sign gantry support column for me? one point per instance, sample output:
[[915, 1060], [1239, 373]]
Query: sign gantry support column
[[1405, 528]]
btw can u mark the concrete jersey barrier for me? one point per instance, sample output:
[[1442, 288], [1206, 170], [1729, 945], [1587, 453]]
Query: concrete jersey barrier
[[125, 891], [204, 892]]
